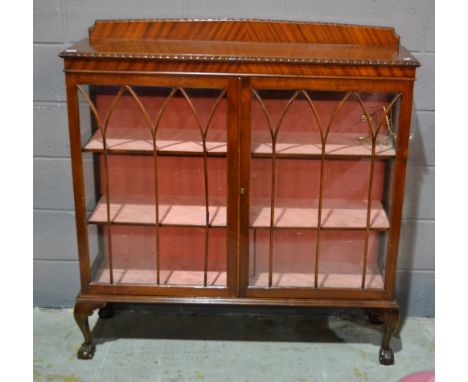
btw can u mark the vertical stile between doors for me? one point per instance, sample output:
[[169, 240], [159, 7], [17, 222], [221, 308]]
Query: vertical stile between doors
[[244, 177], [234, 243]]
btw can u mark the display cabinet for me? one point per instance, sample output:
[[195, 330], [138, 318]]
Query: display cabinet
[[240, 162]]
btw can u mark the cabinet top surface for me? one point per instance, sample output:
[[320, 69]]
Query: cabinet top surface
[[259, 41]]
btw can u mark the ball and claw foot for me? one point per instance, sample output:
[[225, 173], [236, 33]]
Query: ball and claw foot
[[86, 351], [391, 320], [106, 312], [386, 357], [84, 309]]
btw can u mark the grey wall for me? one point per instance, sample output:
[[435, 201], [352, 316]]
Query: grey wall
[[58, 23]]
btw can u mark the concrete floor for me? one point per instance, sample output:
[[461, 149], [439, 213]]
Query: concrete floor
[[197, 344]]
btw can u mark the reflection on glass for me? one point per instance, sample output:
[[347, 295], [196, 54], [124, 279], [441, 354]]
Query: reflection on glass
[[319, 179], [159, 175]]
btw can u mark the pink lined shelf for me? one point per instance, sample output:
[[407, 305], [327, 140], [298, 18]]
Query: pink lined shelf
[[336, 214], [148, 277], [280, 280], [177, 141], [140, 210], [188, 141], [309, 144], [333, 279]]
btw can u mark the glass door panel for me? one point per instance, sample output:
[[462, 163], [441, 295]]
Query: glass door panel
[[319, 188], [294, 262], [155, 161]]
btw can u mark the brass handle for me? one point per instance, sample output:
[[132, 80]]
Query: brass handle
[[388, 123]]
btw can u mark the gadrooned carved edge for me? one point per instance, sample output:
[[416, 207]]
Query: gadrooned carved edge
[[407, 61]]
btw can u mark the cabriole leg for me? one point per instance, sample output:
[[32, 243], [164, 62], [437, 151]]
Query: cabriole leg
[[81, 313], [391, 321]]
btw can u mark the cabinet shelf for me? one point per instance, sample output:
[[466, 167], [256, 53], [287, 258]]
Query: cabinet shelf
[[218, 279], [188, 142], [339, 145], [140, 210], [333, 279], [169, 142], [128, 276], [336, 214]]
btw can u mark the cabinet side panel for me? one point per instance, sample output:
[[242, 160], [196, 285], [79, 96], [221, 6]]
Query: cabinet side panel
[[78, 181], [398, 189]]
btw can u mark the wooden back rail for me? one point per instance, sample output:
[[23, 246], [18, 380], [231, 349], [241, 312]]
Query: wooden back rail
[[243, 31]]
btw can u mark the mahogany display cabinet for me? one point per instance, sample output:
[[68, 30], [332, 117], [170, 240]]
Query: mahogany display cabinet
[[240, 162]]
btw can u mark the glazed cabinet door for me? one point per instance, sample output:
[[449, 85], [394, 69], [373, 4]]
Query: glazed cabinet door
[[317, 168], [156, 154]]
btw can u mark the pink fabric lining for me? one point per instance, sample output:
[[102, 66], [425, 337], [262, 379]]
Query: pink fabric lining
[[181, 192]]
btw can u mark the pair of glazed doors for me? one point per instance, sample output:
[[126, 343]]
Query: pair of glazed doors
[[236, 186]]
